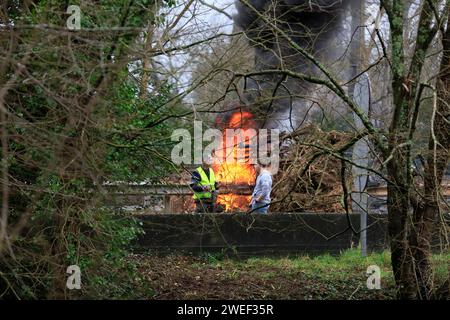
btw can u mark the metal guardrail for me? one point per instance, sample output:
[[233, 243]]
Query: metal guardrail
[[180, 189], [381, 191], [175, 189], [139, 195]]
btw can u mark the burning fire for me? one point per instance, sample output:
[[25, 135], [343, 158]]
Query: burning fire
[[234, 202], [230, 171]]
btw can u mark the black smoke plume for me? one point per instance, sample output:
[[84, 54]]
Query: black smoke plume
[[312, 24]]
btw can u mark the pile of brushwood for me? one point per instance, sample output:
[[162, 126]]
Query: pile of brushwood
[[311, 175]]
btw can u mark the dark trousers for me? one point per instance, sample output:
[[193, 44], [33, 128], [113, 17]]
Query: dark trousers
[[204, 206]]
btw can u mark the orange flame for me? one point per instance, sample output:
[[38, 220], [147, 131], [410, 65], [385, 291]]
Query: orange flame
[[231, 171], [234, 202]]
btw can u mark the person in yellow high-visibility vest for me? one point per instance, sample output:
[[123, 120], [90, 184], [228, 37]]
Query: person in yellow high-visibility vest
[[205, 186]]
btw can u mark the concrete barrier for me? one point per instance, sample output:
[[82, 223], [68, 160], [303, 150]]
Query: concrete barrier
[[249, 234]]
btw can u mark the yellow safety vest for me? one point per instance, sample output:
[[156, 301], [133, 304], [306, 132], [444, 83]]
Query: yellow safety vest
[[204, 181]]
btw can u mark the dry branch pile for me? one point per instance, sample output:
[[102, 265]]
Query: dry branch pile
[[309, 179]]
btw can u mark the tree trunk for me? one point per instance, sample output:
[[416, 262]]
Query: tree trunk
[[411, 237], [426, 213], [398, 224]]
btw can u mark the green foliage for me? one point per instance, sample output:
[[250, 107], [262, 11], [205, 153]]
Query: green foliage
[[135, 152], [67, 135], [107, 273], [96, 239]]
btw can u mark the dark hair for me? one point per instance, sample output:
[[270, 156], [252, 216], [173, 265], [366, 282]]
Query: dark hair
[[264, 165]]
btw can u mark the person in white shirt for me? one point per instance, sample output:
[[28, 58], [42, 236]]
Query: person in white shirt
[[261, 194]]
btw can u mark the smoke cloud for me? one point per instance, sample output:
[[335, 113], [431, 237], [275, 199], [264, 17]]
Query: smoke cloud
[[312, 24]]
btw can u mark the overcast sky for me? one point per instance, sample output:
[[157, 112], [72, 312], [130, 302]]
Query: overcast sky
[[200, 21]]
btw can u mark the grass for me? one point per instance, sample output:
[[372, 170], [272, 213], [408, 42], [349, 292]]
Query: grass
[[349, 261], [325, 276]]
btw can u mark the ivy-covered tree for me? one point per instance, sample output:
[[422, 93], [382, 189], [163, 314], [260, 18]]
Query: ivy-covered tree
[[71, 119]]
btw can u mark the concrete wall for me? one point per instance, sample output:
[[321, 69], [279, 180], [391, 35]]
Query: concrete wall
[[246, 234]]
